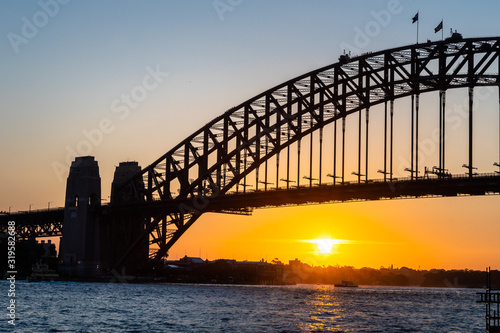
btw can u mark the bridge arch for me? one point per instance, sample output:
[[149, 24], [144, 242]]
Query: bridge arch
[[222, 154]]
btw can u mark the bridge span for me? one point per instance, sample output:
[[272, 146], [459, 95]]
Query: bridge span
[[49, 222]]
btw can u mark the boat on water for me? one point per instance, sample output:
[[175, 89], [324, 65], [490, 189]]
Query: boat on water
[[42, 272], [346, 284]]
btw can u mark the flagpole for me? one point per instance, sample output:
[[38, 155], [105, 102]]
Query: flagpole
[[418, 21], [442, 30]]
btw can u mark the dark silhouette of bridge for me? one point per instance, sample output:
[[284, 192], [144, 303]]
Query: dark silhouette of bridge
[[271, 150]]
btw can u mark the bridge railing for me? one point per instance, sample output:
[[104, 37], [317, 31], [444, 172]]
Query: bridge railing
[[378, 181], [431, 177], [33, 211]]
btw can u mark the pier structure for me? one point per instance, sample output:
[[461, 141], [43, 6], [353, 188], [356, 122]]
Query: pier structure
[[491, 298]]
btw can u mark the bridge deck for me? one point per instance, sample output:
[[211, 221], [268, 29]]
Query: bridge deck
[[47, 223], [38, 223], [457, 185]]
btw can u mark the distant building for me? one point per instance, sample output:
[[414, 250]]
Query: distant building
[[49, 249], [197, 270], [190, 261]]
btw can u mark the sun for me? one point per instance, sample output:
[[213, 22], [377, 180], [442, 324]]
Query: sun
[[326, 245]]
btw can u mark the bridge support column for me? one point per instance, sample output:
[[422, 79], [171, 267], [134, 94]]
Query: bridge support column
[[343, 149], [385, 141], [320, 153], [471, 106], [311, 140], [392, 138], [366, 144], [79, 253], [335, 148], [497, 164], [298, 147], [442, 131], [414, 136], [417, 102], [359, 146], [122, 227]]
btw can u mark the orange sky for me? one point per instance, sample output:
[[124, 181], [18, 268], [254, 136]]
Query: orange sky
[[410, 232]]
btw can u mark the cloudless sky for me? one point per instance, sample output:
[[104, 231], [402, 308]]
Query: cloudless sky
[[61, 79]]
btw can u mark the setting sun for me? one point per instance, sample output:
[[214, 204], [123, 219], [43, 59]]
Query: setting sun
[[326, 245]]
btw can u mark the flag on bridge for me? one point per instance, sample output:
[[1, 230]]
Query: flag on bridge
[[439, 27], [415, 18]]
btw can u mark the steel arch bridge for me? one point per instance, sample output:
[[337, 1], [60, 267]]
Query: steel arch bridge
[[250, 144]]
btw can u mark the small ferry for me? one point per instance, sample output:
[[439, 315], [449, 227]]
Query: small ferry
[[42, 272], [346, 284]]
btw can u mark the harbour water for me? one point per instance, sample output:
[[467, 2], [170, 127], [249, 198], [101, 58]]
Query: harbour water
[[114, 307]]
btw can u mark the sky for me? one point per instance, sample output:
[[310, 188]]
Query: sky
[[67, 65]]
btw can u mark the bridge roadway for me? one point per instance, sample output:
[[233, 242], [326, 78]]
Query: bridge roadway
[[38, 223], [455, 185], [45, 223]]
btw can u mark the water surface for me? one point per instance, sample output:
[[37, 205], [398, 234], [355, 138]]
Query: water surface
[[112, 307]]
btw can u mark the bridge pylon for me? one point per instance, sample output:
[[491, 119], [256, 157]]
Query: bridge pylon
[[122, 222], [79, 252]]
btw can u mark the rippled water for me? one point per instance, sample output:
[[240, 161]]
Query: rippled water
[[107, 307]]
